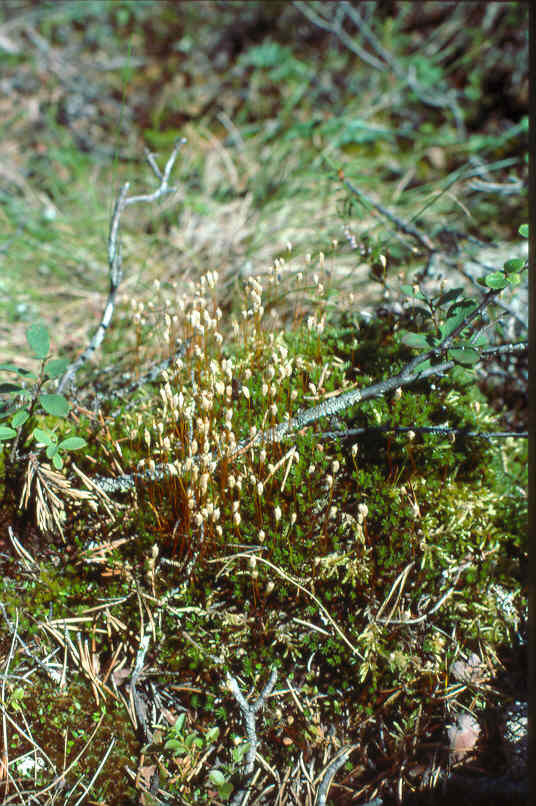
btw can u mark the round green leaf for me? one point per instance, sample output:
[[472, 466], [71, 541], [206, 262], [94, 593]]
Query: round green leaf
[[20, 418], [177, 748], [495, 280], [415, 340], [57, 461], [46, 437], [37, 338], [6, 432], [464, 357], [55, 404], [516, 264], [212, 735], [513, 279], [52, 450], [72, 444], [524, 230], [56, 367], [217, 778]]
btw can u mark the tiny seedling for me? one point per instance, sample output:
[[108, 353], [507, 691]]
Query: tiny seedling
[[26, 407]]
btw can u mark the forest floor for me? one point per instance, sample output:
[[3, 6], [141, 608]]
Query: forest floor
[[335, 153]]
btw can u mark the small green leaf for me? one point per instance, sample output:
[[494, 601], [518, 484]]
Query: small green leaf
[[179, 723], [52, 450], [55, 404], [516, 264], [464, 357], [176, 747], [415, 340], [57, 461], [513, 279], [239, 752], [212, 735], [20, 418], [37, 338], [524, 230], [407, 290], [456, 314], [6, 432], [72, 444], [495, 280], [46, 437], [56, 367], [217, 778], [449, 296], [225, 791], [450, 326], [463, 305], [193, 740]]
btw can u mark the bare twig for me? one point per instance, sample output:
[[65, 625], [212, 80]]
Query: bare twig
[[337, 30], [427, 97], [248, 712], [385, 61], [114, 257], [139, 707], [409, 229], [5, 750], [329, 773]]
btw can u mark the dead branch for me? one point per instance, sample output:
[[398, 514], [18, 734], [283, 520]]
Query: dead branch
[[249, 712], [114, 257], [329, 773]]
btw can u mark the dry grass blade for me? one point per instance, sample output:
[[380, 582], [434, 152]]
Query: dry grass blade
[[4, 760], [25, 557]]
